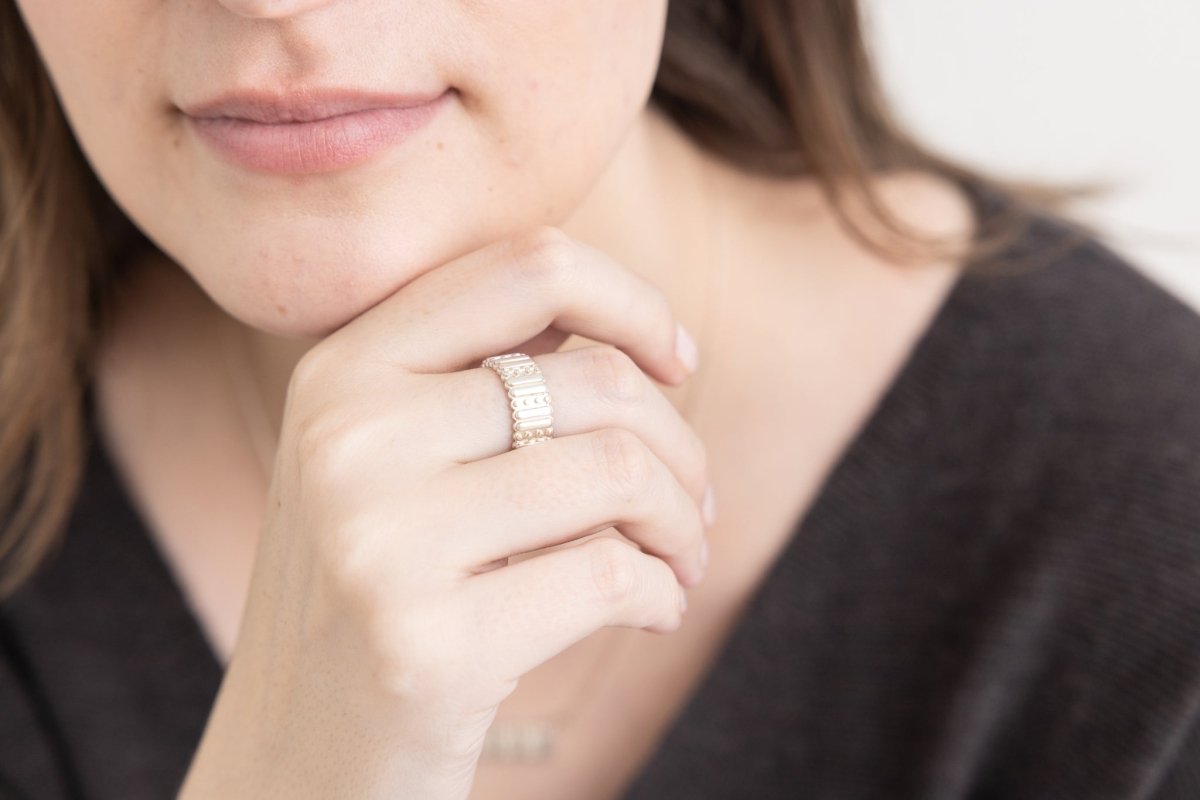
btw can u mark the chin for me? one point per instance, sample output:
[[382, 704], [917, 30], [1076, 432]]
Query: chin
[[301, 317], [300, 292], [307, 279]]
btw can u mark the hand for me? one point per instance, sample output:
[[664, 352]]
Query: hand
[[384, 624]]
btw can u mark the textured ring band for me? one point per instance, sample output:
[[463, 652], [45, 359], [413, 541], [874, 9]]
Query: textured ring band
[[533, 417]]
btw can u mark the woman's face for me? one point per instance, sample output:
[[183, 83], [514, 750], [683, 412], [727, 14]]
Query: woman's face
[[534, 98]]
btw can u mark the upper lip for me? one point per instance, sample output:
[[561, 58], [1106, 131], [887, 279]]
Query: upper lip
[[305, 105]]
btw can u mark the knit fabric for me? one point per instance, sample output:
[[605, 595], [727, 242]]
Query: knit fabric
[[995, 594]]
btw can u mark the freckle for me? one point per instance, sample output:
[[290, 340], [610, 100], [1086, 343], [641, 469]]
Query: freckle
[[491, 188], [282, 309], [441, 145]]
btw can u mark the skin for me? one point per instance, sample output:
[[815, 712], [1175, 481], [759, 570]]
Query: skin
[[520, 146], [588, 216]]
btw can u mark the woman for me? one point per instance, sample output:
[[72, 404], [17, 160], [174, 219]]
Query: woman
[[278, 531]]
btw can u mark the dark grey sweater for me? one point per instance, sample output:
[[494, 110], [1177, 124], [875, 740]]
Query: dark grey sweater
[[995, 595]]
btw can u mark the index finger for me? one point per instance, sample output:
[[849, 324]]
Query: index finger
[[495, 298]]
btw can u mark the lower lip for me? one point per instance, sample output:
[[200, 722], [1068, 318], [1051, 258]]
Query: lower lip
[[318, 146]]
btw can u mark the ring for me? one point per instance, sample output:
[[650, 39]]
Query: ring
[[533, 418]]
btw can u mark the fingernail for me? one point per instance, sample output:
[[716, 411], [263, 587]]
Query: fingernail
[[685, 348], [708, 506]]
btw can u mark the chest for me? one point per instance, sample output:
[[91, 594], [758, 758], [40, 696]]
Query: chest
[[780, 395]]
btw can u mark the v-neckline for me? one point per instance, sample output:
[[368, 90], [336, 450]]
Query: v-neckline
[[851, 468]]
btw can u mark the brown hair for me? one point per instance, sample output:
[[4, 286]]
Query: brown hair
[[774, 86]]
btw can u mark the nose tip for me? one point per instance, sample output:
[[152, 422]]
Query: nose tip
[[271, 9]]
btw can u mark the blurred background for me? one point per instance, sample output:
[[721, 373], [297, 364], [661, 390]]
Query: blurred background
[[1070, 90]]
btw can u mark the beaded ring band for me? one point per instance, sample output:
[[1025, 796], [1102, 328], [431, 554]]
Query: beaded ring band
[[533, 418]]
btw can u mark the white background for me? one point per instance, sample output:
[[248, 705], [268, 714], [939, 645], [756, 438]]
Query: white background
[[1087, 90]]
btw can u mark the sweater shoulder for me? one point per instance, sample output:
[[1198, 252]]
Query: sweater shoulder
[[1053, 443], [1094, 354], [1059, 394]]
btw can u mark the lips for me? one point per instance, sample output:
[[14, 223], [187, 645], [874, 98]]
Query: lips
[[311, 131]]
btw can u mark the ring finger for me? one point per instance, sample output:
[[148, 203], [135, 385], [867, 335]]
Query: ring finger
[[591, 387]]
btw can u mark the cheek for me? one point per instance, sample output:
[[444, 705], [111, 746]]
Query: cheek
[[559, 90], [101, 58], [105, 60]]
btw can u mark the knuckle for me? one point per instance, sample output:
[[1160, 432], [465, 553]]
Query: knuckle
[[546, 257], [699, 460], [417, 654], [659, 308], [611, 565], [327, 443], [624, 461], [307, 373], [615, 376], [347, 561], [665, 582], [414, 648]]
